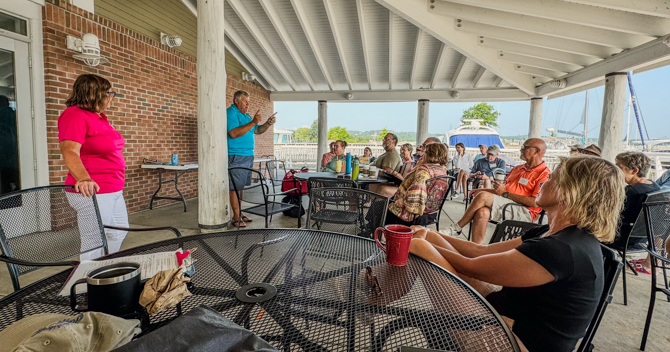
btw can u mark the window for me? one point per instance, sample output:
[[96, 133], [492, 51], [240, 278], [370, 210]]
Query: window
[[13, 24]]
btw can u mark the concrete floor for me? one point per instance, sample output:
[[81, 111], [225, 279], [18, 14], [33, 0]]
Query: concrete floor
[[620, 330]]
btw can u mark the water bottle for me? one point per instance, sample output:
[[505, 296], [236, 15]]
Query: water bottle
[[348, 167], [354, 172]]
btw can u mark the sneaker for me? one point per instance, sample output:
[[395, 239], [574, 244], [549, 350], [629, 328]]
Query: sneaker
[[455, 194], [451, 232]]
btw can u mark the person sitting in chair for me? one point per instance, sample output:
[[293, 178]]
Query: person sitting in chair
[[522, 186], [327, 156], [462, 163], [635, 166], [482, 170], [411, 199], [552, 276], [338, 148]]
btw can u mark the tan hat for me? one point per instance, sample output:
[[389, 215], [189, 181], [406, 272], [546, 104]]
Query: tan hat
[[576, 147], [493, 149], [90, 331], [590, 150]]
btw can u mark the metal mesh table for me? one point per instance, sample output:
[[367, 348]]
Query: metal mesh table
[[312, 291]]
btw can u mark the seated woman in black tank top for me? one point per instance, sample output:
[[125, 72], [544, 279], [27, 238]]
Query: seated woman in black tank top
[[552, 277]]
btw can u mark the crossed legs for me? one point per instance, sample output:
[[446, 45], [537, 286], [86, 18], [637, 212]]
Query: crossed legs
[[479, 213]]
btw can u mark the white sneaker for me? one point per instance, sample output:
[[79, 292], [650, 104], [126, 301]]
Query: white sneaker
[[455, 194], [450, 231]]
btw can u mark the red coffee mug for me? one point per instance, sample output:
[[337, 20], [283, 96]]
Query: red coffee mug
[[398, 238]]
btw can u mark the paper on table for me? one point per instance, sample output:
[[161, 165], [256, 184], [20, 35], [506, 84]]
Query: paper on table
[[150, 264]]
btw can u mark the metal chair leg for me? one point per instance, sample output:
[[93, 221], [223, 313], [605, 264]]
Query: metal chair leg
[[650, 310], [625, 291]]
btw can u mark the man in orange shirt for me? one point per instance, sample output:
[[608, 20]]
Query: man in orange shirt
[[522, 186]]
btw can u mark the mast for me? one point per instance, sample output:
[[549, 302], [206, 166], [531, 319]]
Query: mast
[[586, 120], [628, 128]]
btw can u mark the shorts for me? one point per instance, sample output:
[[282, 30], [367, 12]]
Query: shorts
[[241, 178], [518, 213]]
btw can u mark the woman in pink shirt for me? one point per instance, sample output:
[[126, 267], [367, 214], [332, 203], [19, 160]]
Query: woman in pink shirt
[[93, 153]]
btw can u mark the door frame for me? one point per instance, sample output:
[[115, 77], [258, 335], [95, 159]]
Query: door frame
[[31, 11]]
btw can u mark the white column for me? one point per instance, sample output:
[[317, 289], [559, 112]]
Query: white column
[[611, 125], [422, 121], [322, 133], [213, 198], [535, 121]]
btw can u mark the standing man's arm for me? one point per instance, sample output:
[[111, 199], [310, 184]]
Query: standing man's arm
[[264, 127], [244, 129]]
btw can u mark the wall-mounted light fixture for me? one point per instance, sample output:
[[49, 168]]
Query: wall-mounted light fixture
[[455, 94], [246, 76], [89, 47], [349, 96], [170, 40]]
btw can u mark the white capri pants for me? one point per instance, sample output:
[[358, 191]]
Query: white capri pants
[[112, 207]]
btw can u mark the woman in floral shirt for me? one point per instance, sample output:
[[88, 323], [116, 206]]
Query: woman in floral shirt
[[412, 199]]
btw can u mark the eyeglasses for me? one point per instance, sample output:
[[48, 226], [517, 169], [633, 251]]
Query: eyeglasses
[[524, 147], [111, 94], [372, 281]]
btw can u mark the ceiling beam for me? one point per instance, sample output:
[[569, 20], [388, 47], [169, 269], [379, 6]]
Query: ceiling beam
[[442, 95], [459, 69], [535, 39], [647, 7], [417, 13], [391, 49], [438, 65], [644, 55], [536, 62], [548, 54], [478, 78], [539, 71], [272, 14], [539, 25], [415, 61], [497, 82], [364, 42], [338, 40], [313, 43], [241, 44], [237, 53], [262, 40], [591, 16]]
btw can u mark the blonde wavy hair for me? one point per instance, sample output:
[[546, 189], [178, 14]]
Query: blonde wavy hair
[[592, 192]]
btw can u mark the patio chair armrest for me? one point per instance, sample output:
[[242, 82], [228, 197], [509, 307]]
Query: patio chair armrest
[[504, 209], [657, 256], [6, 259], [168, 228], [292, 190]]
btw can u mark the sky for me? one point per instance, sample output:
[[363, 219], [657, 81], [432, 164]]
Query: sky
[[652, 89]]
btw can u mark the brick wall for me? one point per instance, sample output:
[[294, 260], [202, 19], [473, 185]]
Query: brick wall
[[156, 102]]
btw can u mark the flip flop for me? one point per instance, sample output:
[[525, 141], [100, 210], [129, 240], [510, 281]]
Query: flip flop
[[240, 222], [246, 219]]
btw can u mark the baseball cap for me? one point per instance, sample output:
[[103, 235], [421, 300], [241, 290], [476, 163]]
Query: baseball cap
[[493, 150], [59, 332]]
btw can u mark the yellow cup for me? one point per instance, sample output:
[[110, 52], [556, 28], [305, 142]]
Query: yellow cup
[[338, 165]]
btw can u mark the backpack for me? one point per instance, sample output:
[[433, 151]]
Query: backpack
[[293, 212], [290, 182]]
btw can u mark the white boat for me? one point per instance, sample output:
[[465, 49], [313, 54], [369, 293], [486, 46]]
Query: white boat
[[474, 134]]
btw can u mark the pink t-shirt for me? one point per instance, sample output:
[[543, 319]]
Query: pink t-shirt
[[101, 147]]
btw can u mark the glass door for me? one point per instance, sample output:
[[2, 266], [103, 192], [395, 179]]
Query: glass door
[[17, 168]]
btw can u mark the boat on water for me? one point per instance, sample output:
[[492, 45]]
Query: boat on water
[[472, 133]]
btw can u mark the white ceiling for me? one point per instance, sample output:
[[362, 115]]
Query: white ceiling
[[486, 50]]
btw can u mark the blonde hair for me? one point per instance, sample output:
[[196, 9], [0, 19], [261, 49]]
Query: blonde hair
[[592, 193]]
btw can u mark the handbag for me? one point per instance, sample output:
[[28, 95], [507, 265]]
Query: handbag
[[290, 182]]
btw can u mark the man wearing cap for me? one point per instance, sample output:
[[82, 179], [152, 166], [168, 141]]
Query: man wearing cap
[[482, 152], [483, 169], [522, 187]]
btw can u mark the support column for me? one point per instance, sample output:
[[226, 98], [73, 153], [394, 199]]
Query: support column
[[611, 124], [213, 198], [535, 121], [422, 121], [322, 133]]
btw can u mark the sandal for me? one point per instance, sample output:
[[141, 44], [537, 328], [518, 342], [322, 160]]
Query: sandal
[[246, 219], [239, 223]]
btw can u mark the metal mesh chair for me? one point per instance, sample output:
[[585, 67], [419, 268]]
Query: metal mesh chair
[[276, 169], [438, 189], [504, 212], [46, 225], [510, 229], [634, 239], [657, 220], [346, 210], [324, 182], [612, 268], [261, 196]]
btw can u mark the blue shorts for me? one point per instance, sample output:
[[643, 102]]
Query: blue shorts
[[241, 178]]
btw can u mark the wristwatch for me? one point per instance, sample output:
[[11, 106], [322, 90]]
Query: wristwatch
[[505, 194]]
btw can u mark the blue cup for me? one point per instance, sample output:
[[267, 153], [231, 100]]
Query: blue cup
[[174, 159]]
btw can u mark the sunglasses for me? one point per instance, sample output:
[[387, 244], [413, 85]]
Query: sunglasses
[[111, 94]]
